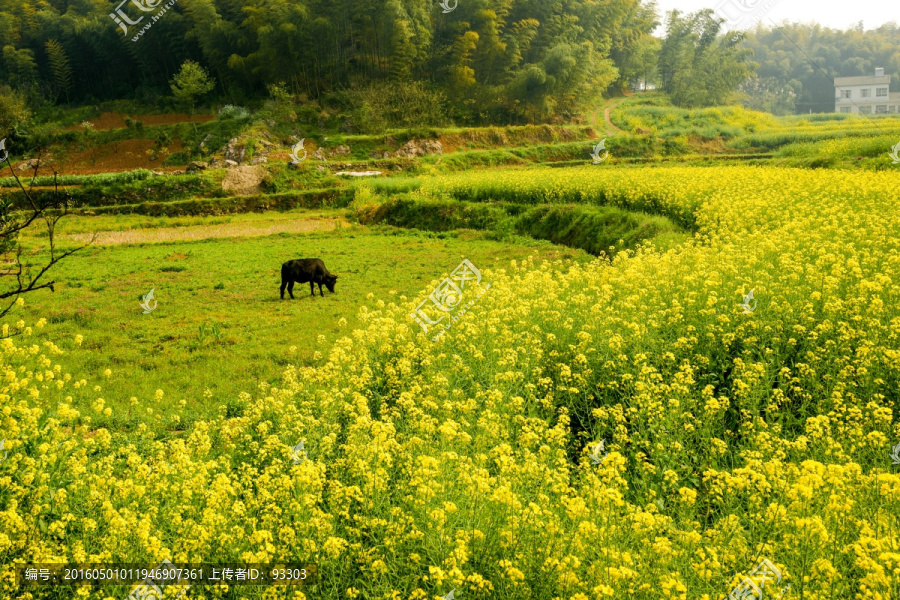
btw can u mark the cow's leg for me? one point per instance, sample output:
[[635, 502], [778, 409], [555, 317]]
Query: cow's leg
[[320, 290], [291, 289], [312, 288], [283, 285]]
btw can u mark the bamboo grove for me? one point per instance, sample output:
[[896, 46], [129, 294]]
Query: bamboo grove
[[488, 59]]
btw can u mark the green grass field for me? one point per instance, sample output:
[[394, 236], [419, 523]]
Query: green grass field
[[230, 288]]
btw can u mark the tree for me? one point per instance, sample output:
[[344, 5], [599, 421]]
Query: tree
[[13, 112], [60, 67], [634, 48], [643, 62], [191, 82], [20, 64], [402, 49], [769, 95], [281, 104], [697, 66]]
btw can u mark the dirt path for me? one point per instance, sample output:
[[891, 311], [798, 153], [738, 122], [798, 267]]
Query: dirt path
[[202, 232], [609, 128]]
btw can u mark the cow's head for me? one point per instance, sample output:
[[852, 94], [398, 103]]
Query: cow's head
[[330, 280]]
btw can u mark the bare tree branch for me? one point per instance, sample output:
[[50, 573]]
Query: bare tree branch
[[37, 165], [50, 213]]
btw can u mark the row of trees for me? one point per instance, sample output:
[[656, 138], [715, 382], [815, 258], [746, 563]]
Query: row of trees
[[492, 60]]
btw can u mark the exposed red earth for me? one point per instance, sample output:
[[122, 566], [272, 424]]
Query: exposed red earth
[[113, 120]]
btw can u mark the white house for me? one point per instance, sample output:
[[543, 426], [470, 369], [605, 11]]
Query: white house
[[866, 95]]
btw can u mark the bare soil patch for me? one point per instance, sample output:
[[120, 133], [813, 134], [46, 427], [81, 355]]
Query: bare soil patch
[[125, 155], [114, 120], [202, 232]]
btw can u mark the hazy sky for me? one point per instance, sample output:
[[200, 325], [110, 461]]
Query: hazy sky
[[838, 14]]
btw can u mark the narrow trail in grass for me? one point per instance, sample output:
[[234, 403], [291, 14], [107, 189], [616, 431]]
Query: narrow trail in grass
[[201, 232], [608, 126]]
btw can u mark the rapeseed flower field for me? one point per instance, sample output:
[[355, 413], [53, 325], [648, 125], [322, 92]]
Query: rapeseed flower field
[[469, 464]]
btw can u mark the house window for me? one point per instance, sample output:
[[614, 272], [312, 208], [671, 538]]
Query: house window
[[865, 110], [892, 108], [845, 109], [845, 93], [864, 93], [881, 92], [881, 109]]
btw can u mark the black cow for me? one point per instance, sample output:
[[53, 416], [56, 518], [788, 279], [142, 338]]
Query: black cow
[[306, 269]]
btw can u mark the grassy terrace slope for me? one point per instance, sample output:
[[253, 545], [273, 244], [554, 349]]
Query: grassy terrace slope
[[463, 463], [736, 134]]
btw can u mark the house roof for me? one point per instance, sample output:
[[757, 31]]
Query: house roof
[[861, 80]]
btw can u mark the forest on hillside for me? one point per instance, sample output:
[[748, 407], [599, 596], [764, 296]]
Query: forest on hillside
[[485, 60], [795, 64], [420, 62]]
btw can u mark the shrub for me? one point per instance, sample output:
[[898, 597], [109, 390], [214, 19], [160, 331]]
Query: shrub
[[98, 193], [237, 113], [133, 124], [97, 179], [14, 112], [394, 104]]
